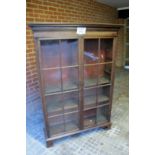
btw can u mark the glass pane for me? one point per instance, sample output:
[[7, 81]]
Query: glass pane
[[70, 78], [62, 103], [89, 98], [71, 122], [71, 101], [104, 73], [102, 114], [50, 56], [106, 50], [90, 51], [103, 94], [69, 52], [54, 104], [90, 75], [52, 80], [89, 118], [56, 125]]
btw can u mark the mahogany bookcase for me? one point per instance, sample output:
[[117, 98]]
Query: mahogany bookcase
[[76, 72]]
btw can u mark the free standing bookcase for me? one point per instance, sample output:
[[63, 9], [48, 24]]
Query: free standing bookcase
[[76, 72]]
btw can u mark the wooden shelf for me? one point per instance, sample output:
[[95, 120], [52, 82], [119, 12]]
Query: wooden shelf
[[62, 128], [89, 101], [72, 105], [63, 67], [97, 63], [58, 108], [55, 89], [92, 82], [59, 127], [52, 89], [89, 122], [96, 119], [69, 86], [63, 124], [71, 126], [103, 80], [61, 92]]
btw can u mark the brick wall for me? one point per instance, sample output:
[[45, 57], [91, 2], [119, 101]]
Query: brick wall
[[120, 49], [76, 11]]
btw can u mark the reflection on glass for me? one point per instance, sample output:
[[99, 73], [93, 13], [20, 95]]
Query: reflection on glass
[[71, 101], [91, 51], [63, 123], [54, 104], [69, 52], [52, 80], [56, 125], [89, 98], [50, 56], [90, 75], [89, 118], [104, 73], [103, 94], [62, 103], [70, 78], [71, 122], [106, 50], [102, 114]]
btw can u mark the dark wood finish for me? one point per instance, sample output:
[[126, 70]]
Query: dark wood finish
[[71, 26], [104, 126], [37, 46], [76, 87], [113, 74], [81, 63]]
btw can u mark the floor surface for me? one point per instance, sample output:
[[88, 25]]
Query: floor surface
[[93, 142]]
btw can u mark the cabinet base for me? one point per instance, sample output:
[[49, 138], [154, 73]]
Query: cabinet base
[[107, 127], [49, 141]]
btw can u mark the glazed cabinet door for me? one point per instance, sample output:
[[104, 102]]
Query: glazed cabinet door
[[59, 67], [98, 61], [76, 78]]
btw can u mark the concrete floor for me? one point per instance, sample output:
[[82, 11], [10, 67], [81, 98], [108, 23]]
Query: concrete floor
[[93, 142]]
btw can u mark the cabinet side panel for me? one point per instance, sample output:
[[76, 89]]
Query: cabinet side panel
[[112, 74], [38, 60]]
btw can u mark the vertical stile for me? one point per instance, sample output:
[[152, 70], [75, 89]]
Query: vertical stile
[[62, 94], [81, 68], [99, 42], [79, 86], [41, 79]]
